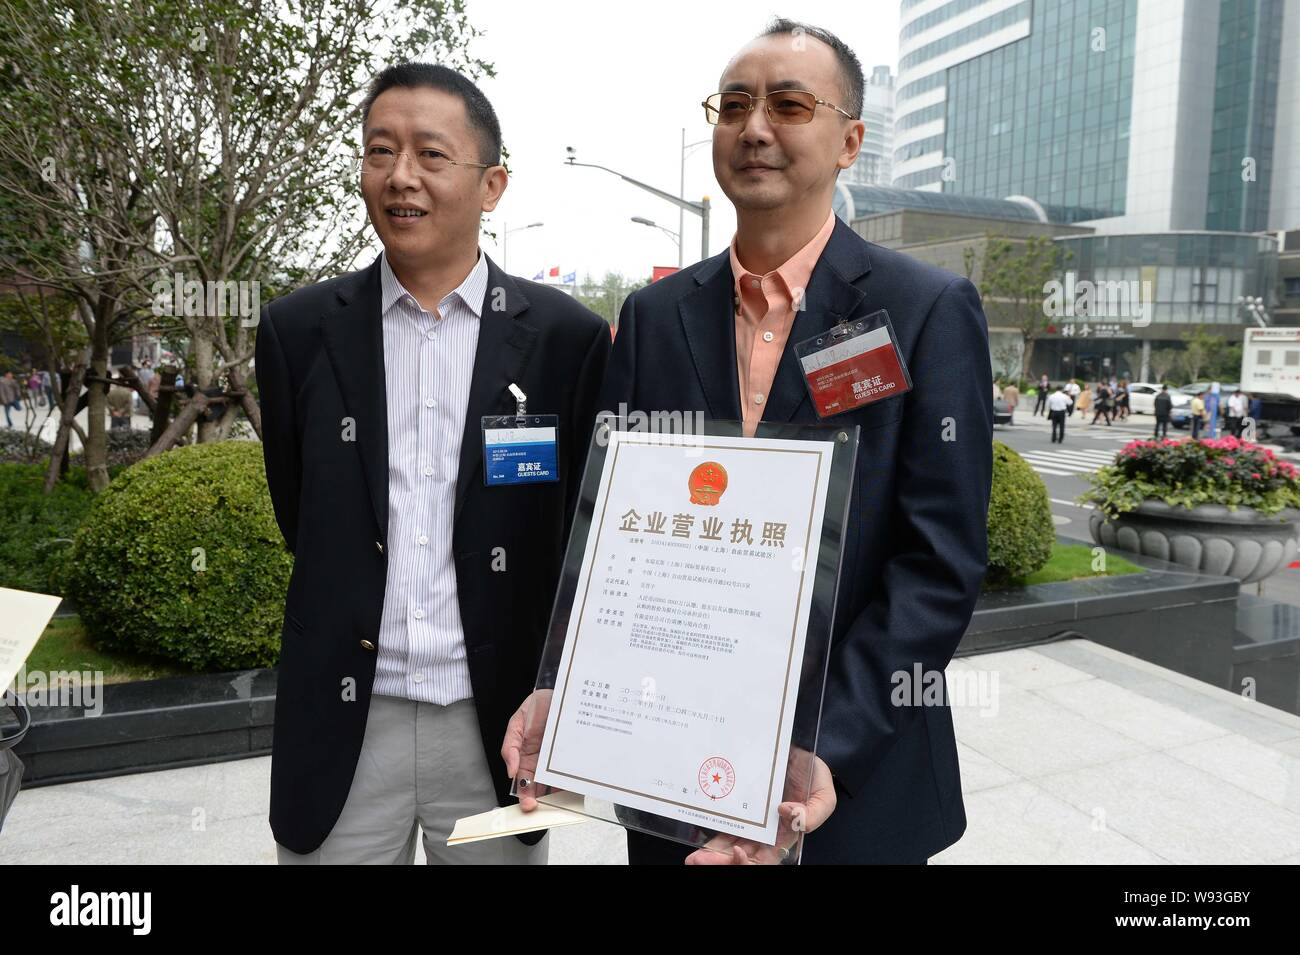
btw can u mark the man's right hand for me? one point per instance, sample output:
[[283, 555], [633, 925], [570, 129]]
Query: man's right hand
[[522, 744]]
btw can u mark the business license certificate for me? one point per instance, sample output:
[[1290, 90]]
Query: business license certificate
[[677, 684]]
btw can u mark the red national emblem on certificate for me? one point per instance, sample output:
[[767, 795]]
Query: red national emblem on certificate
[[707, 483], [717, 778]]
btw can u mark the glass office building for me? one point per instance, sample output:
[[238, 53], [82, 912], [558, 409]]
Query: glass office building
[[1127, 116], [876, 157], [1183, 280]]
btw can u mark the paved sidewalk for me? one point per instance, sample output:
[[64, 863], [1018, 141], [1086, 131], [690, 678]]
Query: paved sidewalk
[[1074, 754]]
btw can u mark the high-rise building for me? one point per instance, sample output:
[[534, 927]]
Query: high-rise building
[[1127, 116], [876, 156]]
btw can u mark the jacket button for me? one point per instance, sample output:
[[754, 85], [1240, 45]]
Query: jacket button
[[366, 644], [380, 546]]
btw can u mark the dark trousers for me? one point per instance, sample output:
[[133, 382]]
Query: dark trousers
[[1162, 427], [1197, 421], [1100, 413], [1058, 425], [1233, 426], [1041, 403]]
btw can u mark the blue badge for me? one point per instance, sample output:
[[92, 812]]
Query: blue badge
[[520, 449]]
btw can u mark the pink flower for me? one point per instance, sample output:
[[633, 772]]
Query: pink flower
[[1255, 475]]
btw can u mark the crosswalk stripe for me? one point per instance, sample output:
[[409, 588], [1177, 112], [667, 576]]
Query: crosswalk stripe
[[1090, 452], [1057, 500], [1073, 455], [1054, 467], [1072, 458]]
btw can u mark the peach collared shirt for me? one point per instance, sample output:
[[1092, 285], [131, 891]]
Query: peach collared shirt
[[764, 320]]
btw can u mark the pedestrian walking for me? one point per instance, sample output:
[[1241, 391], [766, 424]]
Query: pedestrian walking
[[1164, 404], [1041, 404], [1057, 403], [1104, 403], [11, 396]]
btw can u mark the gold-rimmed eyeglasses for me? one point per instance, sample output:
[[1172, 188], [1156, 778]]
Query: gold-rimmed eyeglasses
[[784, 107], [381, 159]]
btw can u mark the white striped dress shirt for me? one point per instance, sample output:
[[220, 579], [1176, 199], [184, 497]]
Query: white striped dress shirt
[[428, 364]]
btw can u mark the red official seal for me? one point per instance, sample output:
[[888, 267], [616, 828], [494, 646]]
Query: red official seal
[[717, 778], [707, 482]]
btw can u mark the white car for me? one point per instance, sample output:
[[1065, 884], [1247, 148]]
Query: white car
[[1142, 397]]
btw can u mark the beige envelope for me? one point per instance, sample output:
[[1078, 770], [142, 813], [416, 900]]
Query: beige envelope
[[512, 821]]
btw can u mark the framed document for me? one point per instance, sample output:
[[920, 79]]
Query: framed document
[[680, 686]]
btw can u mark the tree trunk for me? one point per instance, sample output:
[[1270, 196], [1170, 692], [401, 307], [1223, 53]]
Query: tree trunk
[[1025, 358], [163, 408], [59, 456], [239, 384], [189, 414], [96, 449], [204, 356]]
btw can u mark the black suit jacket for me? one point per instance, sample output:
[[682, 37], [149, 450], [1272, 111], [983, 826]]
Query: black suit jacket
[[916, 547], [320, 359]]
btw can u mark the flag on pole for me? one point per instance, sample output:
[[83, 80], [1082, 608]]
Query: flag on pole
[[538, 276], [571, 279], [554, 272]]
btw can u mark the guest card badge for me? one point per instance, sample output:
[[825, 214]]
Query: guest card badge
[[520, 448], [853, 364]]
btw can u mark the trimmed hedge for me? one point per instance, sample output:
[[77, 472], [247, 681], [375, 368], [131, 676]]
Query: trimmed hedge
[[1021, 532], [35, 529], [181, 559]]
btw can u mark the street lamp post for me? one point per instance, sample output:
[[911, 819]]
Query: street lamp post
[[681, 192], [505, 240], [675, 236], [700, 208], [1255, 307]]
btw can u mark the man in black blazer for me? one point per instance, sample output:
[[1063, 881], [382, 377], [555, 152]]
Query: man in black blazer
[[916, 548], [420, 596]]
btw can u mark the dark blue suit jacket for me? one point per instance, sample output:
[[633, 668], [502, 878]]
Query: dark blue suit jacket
[[917, 544]]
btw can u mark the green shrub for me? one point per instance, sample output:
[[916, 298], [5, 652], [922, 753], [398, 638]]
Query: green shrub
[[1021, 531], [181, 558], [35, 528]]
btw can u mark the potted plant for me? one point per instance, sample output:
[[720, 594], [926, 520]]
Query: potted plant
[[1219, 506]]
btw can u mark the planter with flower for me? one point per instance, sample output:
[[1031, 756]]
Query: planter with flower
[[1219, 506]]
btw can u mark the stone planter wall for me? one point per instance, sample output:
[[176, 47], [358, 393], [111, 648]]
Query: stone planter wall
[[1208, 538]]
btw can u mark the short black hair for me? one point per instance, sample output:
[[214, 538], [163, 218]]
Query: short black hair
[[482, 117], [851, 77]]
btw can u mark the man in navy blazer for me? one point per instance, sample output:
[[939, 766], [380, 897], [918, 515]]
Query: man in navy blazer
[[707, 339]]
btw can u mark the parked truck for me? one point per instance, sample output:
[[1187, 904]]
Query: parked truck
[[1270, 371]]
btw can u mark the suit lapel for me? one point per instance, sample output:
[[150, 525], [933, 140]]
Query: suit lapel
[[830, 298], [353, 333], [709, 323], [505, 343]]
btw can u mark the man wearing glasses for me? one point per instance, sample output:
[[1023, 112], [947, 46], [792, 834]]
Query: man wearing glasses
[[719, 338], [423, 580]]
